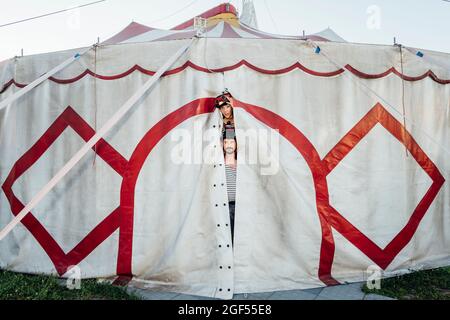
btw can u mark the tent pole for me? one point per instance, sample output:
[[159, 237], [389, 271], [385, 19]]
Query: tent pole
[[38, 81], [100, 133]]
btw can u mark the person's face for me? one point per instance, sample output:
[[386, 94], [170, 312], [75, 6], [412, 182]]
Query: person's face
[[227, 110], [229, 145]]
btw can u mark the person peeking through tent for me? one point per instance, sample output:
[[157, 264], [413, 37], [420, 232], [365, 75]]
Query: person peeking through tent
[[224, 103], [230, 154]]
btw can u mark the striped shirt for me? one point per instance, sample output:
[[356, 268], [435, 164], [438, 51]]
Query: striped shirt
[[230, 173]]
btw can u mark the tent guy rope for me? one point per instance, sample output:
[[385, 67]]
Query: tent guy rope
[[45, 76], [137, 96]]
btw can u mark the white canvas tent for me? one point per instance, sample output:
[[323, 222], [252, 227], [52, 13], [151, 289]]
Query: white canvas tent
[[353, 175]]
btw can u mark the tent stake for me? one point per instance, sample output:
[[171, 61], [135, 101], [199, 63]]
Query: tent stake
[[100, 133]]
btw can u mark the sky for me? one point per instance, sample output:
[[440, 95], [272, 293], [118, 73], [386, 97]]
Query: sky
[[415, 23]]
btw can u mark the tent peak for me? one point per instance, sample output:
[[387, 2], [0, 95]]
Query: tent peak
[[223, 8], [132, 30]]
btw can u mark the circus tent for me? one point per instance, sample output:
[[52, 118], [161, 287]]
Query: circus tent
[[222, 22], [111, 160]]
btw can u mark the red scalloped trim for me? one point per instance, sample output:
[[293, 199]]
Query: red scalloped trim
[[192, 65], [429, 73]]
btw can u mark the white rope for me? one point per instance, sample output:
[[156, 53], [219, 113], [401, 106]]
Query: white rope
[[403, 95], [87, 147], [347, 73], [41, 79]]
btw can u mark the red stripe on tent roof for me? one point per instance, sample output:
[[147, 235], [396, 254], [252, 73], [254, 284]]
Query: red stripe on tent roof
[[228, 31], [132, 30], [223, 8]]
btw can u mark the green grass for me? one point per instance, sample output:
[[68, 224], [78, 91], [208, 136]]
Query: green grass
[[430, 284], [422, 285], [17, 286]]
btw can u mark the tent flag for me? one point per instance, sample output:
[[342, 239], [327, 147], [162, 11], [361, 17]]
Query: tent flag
[[325, 191]]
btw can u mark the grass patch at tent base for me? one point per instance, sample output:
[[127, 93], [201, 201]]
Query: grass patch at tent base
[[431, 284], [18, 286]]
